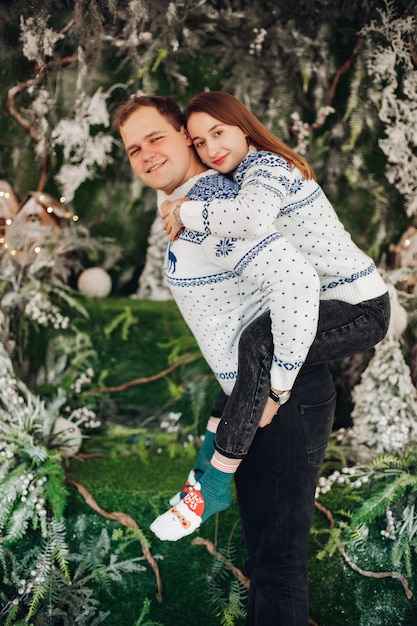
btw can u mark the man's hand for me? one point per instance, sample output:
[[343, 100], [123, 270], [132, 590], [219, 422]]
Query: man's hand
[[172, 223]]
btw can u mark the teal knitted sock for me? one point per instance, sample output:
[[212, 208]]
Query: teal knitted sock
[[202, 463], [205, 453], [216, 491]]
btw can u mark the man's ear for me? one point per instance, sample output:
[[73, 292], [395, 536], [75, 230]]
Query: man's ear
[[187, 136]]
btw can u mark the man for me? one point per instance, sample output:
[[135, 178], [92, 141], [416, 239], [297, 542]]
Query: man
[[220, 291]]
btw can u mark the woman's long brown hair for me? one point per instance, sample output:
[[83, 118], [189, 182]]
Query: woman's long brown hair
[[229, 110]]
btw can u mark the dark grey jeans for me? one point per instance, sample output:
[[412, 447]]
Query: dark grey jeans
[[277, 478], [343, 330], [275, 486]]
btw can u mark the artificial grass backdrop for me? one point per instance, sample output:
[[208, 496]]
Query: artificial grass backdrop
[[133, 468], [140, 484]]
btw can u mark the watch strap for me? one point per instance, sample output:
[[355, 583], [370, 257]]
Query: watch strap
[[279, 398]]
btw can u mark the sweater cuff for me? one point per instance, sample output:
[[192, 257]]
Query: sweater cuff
[[282, 379], [192, 215]]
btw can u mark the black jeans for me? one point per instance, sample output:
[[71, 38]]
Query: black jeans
[[276, 485], [343, 329], [276, 481]]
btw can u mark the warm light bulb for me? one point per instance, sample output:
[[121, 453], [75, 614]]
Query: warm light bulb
[[75, 218]]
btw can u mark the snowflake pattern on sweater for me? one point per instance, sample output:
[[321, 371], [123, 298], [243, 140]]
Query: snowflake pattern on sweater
[[221, 284], [271, 192]]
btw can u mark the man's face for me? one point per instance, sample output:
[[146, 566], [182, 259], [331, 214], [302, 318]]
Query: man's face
[[161, 156]]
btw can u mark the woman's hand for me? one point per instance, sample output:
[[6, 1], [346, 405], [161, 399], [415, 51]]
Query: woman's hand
[[172, 221], [275, 399], [270, 410]]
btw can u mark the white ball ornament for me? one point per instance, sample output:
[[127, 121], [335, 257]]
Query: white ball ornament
[[67, 437], [94, 282]]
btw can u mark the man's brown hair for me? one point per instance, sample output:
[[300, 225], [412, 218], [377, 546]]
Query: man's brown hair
[[166, 106]]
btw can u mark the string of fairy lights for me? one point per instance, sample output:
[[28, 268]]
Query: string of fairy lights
[[37, 208]]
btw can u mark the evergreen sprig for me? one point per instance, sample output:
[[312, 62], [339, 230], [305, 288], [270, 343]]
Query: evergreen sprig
[[390, 493], [226, 593], [384, 490]]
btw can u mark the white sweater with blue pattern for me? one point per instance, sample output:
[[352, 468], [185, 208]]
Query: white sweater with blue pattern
[[221, 284], [273, 192]]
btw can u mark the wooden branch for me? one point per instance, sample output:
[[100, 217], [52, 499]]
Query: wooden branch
[[320, 122], [200, 541], [147, 379], [343, 69], [44, 173], [126, 520], [10, 103], [358, 569]]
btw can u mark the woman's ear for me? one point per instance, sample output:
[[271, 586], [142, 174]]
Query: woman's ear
[[187, 136]]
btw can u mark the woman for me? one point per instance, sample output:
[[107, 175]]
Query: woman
[[278, 187]]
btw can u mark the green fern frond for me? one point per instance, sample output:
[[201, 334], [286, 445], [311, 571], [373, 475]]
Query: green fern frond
[[144, 612], [66, 296], [402, 555], [18, 523], [11, 616], [198, 395], [387, 461], [125, 320], [344, 513], [358, 533], [39, 594], [57, 532], [409, 524], [11, 489], [377, 504], [354, 98], [35, 453], [180, 347], [175, 391], [163, 53], [148, 59]]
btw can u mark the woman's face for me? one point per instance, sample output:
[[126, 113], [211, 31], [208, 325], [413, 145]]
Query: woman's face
[[220, 146]]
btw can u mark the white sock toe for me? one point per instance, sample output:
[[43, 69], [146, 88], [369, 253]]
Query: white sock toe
[[179, 521]]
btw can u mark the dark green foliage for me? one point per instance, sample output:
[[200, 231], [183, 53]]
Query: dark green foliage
[[227, 594], [197, 46], [363, 530], [156, 339], [134, 484]]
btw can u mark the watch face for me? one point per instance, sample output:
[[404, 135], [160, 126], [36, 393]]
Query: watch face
[[284, 397]]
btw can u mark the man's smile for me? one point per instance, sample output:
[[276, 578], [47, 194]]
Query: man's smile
[[155, 167]]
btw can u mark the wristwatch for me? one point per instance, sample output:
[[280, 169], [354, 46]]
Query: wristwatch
[[279, 398]]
